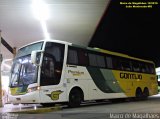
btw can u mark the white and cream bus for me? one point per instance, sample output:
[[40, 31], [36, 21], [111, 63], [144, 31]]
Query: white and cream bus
[[52, 71]]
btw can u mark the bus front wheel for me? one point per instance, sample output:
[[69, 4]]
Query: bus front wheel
[[75, 98]]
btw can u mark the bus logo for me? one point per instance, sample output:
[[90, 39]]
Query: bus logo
[[130, 76], [55, 95]]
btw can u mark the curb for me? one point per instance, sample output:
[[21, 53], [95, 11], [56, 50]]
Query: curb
[[37, 111]]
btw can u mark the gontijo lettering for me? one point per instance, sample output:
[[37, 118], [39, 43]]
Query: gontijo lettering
[[130, 76]]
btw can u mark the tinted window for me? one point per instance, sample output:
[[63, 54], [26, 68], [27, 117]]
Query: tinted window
[[82, 57], [52, 64], [72, 57], [92, 60], [109, 62], [143, 67], [125, 65], [151, 68], [96, 60], [135, 66], [100, 61], [116, 63]]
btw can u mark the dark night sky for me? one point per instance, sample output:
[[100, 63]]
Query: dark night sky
[[132, 31]]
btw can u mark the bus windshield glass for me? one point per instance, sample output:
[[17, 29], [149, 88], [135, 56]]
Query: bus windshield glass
[[23, 72], [28, 49]]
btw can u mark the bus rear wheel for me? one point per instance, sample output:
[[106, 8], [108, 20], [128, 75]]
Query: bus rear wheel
[[145, 93], [75, 98], [139, 94]]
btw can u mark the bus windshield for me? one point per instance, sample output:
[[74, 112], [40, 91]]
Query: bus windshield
[[23, 72]]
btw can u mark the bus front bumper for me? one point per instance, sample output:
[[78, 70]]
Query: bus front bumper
[[28, 98]]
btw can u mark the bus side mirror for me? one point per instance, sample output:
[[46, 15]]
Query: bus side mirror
[[35, 56]]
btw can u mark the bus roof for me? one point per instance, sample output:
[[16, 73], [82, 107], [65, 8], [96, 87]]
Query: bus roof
[[48, 40], [91, 49]]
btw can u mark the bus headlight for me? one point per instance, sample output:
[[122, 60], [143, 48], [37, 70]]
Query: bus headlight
[[33, 89]]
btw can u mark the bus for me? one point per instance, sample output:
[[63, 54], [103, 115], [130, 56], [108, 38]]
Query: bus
[[52, 71]]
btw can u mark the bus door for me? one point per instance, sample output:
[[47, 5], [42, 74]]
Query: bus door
[[50, 81], [51, 70]]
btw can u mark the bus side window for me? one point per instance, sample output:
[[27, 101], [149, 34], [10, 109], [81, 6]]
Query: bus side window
[[92, 59], [109, 62], [147, 68], [100, 61], [96, 60], [135, 66], [151, 69], [143, 67], [82, 58], [72, 57], [126, 65], [117, 63]]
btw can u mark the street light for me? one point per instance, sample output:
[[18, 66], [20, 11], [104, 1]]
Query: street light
[[41, 12]]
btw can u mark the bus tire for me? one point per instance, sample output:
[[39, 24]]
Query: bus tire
[[139, 94], [75, 98], [145, 93]]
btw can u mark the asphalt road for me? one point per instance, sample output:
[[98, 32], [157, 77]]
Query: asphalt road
[[146, 109]]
